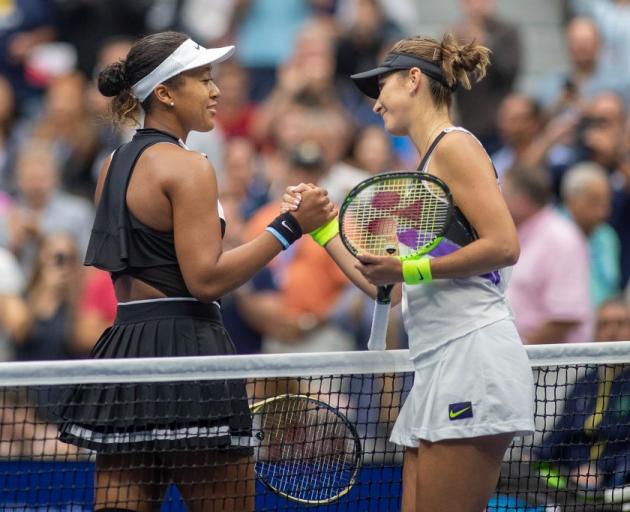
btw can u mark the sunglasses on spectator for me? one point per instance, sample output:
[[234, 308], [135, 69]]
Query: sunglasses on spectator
[[597, 121]]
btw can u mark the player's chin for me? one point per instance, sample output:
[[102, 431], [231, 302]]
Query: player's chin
[[392, 127], [206, 125]]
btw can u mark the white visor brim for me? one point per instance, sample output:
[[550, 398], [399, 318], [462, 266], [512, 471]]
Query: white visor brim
[[189, 55]]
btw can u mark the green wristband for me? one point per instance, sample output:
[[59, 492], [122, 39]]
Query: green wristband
[[324, 234], [417, 271]]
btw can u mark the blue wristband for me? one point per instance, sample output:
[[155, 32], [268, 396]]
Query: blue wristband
[[283, 241], [286, 229]]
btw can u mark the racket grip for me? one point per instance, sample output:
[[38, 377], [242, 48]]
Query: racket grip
[[380, 319]]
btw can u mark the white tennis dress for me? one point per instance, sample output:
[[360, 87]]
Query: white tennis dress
[[472, 375]]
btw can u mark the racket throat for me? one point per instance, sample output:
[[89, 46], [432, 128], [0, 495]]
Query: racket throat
[[383, 294]]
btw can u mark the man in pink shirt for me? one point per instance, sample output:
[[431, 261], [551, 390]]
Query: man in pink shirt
[[549, 287]]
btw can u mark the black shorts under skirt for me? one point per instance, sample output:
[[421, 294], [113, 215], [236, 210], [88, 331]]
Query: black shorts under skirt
[[160, 416]]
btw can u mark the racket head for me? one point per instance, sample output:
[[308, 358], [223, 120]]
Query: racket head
[[409, 212], [308, 452]]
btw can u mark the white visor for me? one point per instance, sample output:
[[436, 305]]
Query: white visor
[[188, 55]]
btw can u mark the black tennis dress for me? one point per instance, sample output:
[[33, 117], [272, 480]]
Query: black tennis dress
[[152, 416]]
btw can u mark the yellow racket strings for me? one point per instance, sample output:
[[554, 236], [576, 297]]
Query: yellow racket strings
[[396, 211]]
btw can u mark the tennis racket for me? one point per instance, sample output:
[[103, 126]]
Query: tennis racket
[[395, 213], [307, 451]]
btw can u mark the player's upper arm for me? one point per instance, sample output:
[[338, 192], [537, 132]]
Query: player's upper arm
[[463, 164], [192, 190]]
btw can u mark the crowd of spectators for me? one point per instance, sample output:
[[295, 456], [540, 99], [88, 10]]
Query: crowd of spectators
[[289, 113]]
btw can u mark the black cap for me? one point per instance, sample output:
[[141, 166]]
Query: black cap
[[368, 80]]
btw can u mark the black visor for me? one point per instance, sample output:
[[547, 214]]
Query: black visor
[[368, 80]]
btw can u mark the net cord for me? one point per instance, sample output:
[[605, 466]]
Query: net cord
[[273, 365]]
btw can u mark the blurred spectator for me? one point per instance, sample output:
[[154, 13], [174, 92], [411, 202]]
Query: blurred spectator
[[277, 23], [24, 434], [602, 129], [372, 151], [24, 24], [294, 320], [306, 78], [67, 123], [477, 108], [333, 132], [567, 90], [237, 112], [50, 303], [241, 309], [96, 310], [613, 19], [602, 137], [587, 197], [242, 181], [621, 209], [361, 42], [519, 121], [86, 24], [11, 132], [548, 289], [40, 208], [589, 442], [40, 327], [359, 46], [207, 21], [11, 288], [530, 141], [402, 13], [109, 138], [295, 121]]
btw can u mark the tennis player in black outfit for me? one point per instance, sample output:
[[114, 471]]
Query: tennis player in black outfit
[[158, 231]]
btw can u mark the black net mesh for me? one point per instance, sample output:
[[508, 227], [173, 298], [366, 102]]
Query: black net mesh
[[218, 445]]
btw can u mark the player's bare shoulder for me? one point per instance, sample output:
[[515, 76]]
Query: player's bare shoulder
[[174, 166], [460, 154]]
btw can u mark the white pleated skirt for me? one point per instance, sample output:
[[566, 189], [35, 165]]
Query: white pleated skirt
[[477, 385]]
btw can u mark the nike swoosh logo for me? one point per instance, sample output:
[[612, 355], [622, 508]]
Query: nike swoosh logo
[[453, 414], [284, 223], [420, 276]]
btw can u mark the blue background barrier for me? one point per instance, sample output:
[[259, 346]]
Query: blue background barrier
[[68, 487]]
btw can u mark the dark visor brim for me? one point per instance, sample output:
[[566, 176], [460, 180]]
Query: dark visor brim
[[394, 61], [367, 81]]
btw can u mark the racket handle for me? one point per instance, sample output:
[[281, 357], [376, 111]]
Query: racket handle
[[380, 319]]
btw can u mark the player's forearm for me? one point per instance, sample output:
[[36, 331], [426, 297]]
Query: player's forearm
[[346, 262], [480, 257], [233, 268]]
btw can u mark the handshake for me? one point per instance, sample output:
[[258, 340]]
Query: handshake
[[309, 206]]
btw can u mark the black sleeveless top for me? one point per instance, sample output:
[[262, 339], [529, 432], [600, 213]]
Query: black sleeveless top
[[120, 243]]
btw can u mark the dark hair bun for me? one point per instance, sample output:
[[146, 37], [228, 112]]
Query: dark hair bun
[[113, 79]]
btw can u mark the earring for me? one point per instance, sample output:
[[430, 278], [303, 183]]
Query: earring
[[172, 103]]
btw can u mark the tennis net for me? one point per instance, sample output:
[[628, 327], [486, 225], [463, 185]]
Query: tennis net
[[311, 431]]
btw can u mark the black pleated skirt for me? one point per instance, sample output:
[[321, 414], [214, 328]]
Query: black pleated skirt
[[161, 416]]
